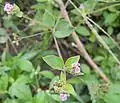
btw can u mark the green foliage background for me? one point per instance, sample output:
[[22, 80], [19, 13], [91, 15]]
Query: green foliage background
[[28, 65]]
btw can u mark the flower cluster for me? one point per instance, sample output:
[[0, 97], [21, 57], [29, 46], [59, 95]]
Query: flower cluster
[[76, 68], [8, 7], [58, 88]]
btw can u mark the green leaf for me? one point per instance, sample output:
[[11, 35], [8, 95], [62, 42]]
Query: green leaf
[[54, 62], [21, 91], [85, 68], [75, 80], [71, 61], [98, 58], [39, 98], [110, 18], [2, 32], [48, 19], [70, 101], [63, 29], [16, 11], [4, 56], [68, 88], [2, 35], [3, 82], [28, 102], [75, 12], [1, 1], [63, 34], [114, 89], [118, 36], [47, 74], [10, 101], [110, 30], [92, 38], [108, 41], [49, 99], [55, 97], [83, 31], [42, 0], [29, 55], [2, 40], [19, 14], [10, 24], [3, 69], [11, 80], [23, 79], [92, 82], [24, 65], [90, 5], [112, 98], [56, 78], [62, 25]]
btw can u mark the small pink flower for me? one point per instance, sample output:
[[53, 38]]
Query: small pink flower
[[8, 7], [76, 65], [76, 68], [81, 6], [63, 96]]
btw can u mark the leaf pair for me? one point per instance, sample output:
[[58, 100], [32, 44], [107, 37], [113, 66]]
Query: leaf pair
[[58, 63]]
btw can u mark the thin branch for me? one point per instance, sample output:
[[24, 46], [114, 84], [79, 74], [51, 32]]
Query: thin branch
[[63, 42], [103, 32], [80, 45], [58, 49], [8, 37], [13, 45], [30, 36], [104, 8]]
